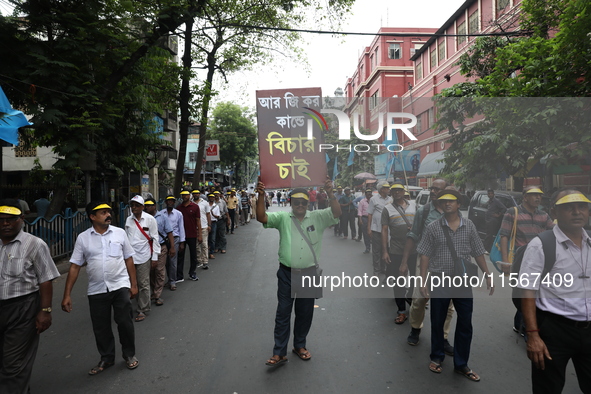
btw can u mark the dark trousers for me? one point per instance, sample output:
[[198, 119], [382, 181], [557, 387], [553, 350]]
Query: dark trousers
[[376, 249], [191, 244], [232, 213], [18, 342], [348, 220], [304, 311], [220, 235], [564, 342], [337, 227], [366, 237], [211, 236], [401, 294], [463, 303], [100, 314]]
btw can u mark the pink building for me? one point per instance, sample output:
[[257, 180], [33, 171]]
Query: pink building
[[384, 70], [435, 70]]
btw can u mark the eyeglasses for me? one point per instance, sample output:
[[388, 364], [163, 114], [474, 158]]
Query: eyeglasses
[[297, 203], [9, 220]]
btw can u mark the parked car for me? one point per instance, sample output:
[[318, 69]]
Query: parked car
[[479, 205], [424, 197], [414, 191]]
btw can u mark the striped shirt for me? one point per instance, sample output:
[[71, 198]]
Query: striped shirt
[[25, 262], [528, 224], [397, 225], [434, 245]]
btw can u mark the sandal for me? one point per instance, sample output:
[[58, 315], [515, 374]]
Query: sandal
[[401, 318], [159, 302], [131, 362], [102, 365], [140, 317], [302, 353], [276, 361], [435, 367], [223, 251], [468, 373]]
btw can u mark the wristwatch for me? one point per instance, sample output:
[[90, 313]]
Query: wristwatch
[[48, 309]]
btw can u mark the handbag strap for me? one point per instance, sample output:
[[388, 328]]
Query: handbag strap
[[299, 227], [514, 231], [401, 212], [450, 244], [150, 240]]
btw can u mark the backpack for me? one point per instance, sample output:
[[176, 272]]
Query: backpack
[[549, 247]]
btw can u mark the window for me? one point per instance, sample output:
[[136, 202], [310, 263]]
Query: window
[[192, 156], [441, 51], [473, 23], [373, 100], [394, 51], [419, 71], [371, 62], [433, 59], [461, 30], [502, 4], [415, 49], [431, 115], [419, 126]]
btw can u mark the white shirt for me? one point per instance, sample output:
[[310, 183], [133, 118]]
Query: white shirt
[[215, 210], [204, 208], [560, 295], [175, 217], [104, 255], [139, 242], [376, 205]]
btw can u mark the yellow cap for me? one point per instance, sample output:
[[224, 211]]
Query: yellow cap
[[447, 197], [386, 184], [397, 186], [149, 202], [195, 191], [575, 197], [534, 191], [300, 195], [102, 206], [216, 192], [10, 210], [184, 192], [171, 198]]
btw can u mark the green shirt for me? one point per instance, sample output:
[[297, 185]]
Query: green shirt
[[294, 251]]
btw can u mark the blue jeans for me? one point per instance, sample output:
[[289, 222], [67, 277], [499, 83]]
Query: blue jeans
[[304, 311], [464, 304]]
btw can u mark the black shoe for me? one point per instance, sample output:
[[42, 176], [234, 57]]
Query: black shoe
[[413, 337], [447, 348], [193, 277]]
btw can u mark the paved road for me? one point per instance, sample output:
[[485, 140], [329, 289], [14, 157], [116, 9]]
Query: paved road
[[214, 335]]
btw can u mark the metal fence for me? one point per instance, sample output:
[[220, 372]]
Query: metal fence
[[59, 232]]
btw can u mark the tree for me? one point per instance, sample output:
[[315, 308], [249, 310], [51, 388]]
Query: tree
[[233, 35], [514, 132], [93, 77], [234, 127]]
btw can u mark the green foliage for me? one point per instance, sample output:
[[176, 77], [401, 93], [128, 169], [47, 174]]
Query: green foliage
[[509, 134], [234, 127]]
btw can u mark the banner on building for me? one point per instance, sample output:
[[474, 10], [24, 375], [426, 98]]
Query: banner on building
[[287, 157], [388, 164], [212, 150]]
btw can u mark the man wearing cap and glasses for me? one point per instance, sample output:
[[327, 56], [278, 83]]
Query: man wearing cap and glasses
[[423, 217], [374, 226], [531, 221], [111, 283], [175, 217], [300, 242], [557, 307], [26, 290], [397, 218], [142, 231], [446, 243]]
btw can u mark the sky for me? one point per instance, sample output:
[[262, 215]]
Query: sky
[[333, 59]]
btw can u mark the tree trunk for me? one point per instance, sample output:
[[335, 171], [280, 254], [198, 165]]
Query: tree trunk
[[184, 100]]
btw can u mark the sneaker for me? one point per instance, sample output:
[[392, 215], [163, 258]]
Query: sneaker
[[180, 280], [519, 332], [413, 337], [447, 348], [193, 277], [172, 287], [200, 265], [205, 266]]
